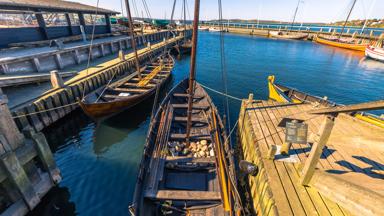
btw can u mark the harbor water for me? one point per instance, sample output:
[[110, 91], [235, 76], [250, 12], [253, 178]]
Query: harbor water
[[99, 160]]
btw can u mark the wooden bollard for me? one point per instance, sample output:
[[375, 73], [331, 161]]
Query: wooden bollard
[[271, 152], [121, 55], [250, 98], [8, 127], [56, 80]]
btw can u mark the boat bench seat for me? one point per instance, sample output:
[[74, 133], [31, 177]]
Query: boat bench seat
[[194, 119], [186, 159], [131, 90], [187, 95], [176, 136], [135, 85], [185, 106], [184, 195]]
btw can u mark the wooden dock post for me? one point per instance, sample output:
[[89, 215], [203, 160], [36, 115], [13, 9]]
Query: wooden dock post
[[7, 126], [250, 98], [317, 149], [56, 80], [20, 179], [121, 55]]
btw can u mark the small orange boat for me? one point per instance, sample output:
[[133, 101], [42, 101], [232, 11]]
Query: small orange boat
[[352, 44]]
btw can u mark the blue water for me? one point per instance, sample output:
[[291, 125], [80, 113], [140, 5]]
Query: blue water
[[99, 161]]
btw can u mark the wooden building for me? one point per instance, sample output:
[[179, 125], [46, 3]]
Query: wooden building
[[36, 20]]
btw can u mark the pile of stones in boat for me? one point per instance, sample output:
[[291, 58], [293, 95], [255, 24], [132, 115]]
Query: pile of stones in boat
[[198, 149]]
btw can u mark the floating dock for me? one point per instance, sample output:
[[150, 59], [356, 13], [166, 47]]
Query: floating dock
[[346, 177]]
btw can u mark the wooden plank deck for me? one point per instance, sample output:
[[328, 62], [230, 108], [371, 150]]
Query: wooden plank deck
[[354, 151]]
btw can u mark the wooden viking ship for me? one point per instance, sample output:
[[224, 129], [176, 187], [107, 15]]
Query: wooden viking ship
[[187, 167], [346, 44], [129, 91], [286, 94], [338, 41], [288, 35]]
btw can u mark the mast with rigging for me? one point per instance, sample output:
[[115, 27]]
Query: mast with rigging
[[192, 70], [133, 41], [349, 14]]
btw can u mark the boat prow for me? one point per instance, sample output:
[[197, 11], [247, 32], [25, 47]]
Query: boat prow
[[286, 94]]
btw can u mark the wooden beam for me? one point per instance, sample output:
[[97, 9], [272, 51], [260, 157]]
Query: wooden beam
[[187, 195], [316, 151], [374, 105], [353, 197]]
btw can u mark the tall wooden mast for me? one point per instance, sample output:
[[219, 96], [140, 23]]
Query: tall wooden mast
[[132, 34], [349, 14], [185, 20], [294, 16], [192, 70]]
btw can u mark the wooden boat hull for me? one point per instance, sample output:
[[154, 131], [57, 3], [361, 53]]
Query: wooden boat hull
[[357, 47], [286, 94], [181, 179], [375, 53], [96, 108], [99, 110], [290, 36]]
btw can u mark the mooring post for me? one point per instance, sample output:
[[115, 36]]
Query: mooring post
[[7, 125], [250, 98], [19, 178], [317, 149], [56, 80], [121, 55], [45, 154]]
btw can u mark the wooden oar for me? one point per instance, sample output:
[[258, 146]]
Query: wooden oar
[[374, 105]]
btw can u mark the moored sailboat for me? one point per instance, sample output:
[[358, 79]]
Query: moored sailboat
[[338, 41], [289, 34], [187, 167]]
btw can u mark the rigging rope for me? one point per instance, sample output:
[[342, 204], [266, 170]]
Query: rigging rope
[[46, 110], [221, 93], [92, 37], [223, 67]]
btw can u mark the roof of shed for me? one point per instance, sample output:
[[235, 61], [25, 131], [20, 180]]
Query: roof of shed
[[56, 5]]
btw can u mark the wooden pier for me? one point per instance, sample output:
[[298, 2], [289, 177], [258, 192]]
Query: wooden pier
[[28, 170], [346, 177], [63, 100], [264, 30]]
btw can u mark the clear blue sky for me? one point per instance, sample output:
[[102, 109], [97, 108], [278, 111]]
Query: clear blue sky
[[280, 10]]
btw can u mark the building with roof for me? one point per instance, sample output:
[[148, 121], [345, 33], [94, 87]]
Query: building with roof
[[36, 20]]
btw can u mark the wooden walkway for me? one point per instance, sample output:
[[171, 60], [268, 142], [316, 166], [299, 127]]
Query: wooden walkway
[[354, 152]]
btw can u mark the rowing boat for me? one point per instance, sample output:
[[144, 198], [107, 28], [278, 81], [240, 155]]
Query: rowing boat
[[129, 91], [187, 166], [180, 179], [286, 94], [288, 35], [346, 44]]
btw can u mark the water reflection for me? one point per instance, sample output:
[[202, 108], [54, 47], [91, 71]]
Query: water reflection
[[56, 203], [371, 64]]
